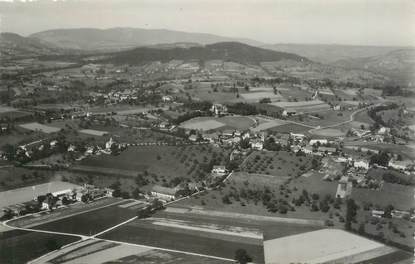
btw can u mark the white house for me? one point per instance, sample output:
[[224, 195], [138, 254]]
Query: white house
[[220, 170], [164, 193], [400, 164], [257, 144], [383, 130], [109, 143], [361, 164], [315, 141], [167, 98]]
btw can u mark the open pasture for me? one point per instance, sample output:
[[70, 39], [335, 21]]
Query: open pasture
[[266, 124], [93, 132], [176, 236], [90, 223], [214, 123], [329, 132], [22, 246], [256, 96], [202, 124], [290, 128], [40, 127]]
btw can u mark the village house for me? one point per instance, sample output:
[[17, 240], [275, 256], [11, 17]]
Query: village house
[[315, 141], [361, 164], [297, 136], [308, 149], [166, 98], [193, 138], [327, 150], [257, 144], [164, 193], [384, 130], [219, 170], [400, 164], [378, 213]]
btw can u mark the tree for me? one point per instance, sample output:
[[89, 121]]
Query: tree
[[361, 229], [242, 257], [265, 100], [351, 211]]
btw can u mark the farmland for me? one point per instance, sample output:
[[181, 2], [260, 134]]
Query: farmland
[[162, 163], [90, 223], [21, 246], [12, 177], [257, 96], [179, 232], [40, 127], [95, 252], [290, 128], [211, 123]]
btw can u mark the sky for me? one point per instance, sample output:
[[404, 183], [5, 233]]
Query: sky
[[351, 22]]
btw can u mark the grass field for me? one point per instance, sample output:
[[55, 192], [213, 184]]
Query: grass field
[[400, 196], [221, 123], [90, 223], [290, 128], [21, 246], [40, 127], [14, 177], [364, 118], [220, 245], [96, 252], [256, 96], [204, 124], [329, 132]]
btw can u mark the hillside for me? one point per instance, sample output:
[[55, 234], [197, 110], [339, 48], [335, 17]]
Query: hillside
[[123, 38], [229, 51], [398, 64], [326, 53], [13, 45]]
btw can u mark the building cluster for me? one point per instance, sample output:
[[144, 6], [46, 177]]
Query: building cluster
[[44, 200]]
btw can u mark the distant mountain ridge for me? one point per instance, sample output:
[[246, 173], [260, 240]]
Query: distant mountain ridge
[[331, 53], [12, 45], [398, 64], [124, 38], [228, 51]]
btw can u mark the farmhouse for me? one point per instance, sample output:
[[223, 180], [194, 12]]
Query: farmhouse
[[219, 170], [328, 150], [361, 164], [193, 138], [257, 144], [400, 164], [164, 193], [320, 141], [25, 194]]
